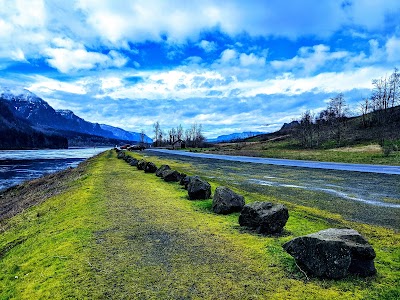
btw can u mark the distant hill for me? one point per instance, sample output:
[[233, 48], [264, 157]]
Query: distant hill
[[234, 136], [41, 117], [368, 128]]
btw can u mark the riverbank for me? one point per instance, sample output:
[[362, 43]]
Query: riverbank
[[115, 232]]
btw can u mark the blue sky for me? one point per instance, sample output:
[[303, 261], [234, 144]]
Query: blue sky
[[231, 66]]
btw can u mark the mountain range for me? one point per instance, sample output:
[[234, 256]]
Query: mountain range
[[234, 136], [24, 113]]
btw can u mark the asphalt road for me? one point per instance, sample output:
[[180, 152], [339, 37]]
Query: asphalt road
[[381, 169]]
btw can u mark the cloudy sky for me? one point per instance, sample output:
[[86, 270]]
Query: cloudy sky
[[231, 66]]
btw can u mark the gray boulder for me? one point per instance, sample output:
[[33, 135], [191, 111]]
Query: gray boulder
[[171, 175], [185, 181], [161, 169], [121, 155], [181, 181], [333, 253], [150, 167], [226, 201], [198, 188], [264, 217], [133, 162], [128, 158], [141, 164]]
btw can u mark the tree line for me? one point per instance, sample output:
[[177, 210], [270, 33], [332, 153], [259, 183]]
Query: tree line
[[329, 125], [192, 137]]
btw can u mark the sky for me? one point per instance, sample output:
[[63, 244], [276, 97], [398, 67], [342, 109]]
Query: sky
[[231, 66]]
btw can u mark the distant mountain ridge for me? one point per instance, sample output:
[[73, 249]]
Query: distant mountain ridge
[[25, 105], [16, 133], [234, 136], [125, 135]]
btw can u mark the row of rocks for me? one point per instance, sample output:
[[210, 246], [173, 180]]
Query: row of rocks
[[332, 253], [261, 216]]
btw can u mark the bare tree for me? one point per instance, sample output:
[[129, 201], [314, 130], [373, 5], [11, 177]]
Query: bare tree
[[365, 109], [394, 84], [337, 111], [199, 138], [305, 131], [160, 137], [142, 135], [157, 131], [179, 132]]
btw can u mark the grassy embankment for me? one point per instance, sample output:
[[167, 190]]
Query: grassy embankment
[[119, 233], [361, 154]]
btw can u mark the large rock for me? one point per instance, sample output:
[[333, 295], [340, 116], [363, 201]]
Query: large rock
[[150, 167], [226, 201], [185, 181], [181, 181], [264, 217], [198, 188], [171, 175], [333, 253], [141, 164], [128, 158], [133, 162], [121, 155], [161, 169]]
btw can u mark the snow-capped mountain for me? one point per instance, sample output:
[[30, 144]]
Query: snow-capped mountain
[[27, 106], [10, 93], [125, 135]]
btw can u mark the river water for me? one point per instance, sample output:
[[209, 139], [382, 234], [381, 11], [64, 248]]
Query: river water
[[17, 166]]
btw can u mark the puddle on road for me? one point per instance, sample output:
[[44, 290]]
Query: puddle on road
[[326, 190]]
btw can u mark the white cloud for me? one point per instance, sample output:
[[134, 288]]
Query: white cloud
[[18, 55], [47, 86], [207, 46], [371, 14], [328, 82], [251, 59], [180, 20], [309, 59], [110, 83], [393, 49], [68, 56], [29, 26], [228, 55], [181, 85]]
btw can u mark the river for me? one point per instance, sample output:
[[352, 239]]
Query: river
[[17, 166]]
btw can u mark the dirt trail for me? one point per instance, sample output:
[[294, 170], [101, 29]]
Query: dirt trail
[[156, 245]]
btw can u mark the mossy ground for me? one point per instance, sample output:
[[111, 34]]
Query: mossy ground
[[118, 233]]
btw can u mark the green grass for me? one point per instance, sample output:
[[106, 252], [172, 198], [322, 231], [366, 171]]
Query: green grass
[[119, 233]]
